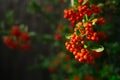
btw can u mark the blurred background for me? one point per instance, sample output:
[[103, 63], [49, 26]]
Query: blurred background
[[47, 59]]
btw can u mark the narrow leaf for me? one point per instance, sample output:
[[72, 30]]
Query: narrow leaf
[[77, 32], [98, 48], [68, 35], [84, 2]]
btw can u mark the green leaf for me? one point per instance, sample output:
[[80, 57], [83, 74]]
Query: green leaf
[[77, 32], [98, 48], [113, 77], [23, 28], [85, 46], [84, 2], [113, 47], [9, 16], [36, 66], [2, 25], [45, 37], [68, 35], [92, 17], [32, 33], [45, 63], [100, 4]]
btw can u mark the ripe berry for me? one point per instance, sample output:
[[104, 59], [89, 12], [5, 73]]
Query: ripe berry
[[7, 40], [80, 1], [24, 37], [14, 45], [15, 31], [25, 46], [58, 37]]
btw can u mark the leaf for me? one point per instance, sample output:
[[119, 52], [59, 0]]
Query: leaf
[[92, 17], [68, 35], [23, 27], [45, 37], [86, 17], [84, 2], [9, 16], [113, 77], [98, 48], [85, 46], [113, 47], [35, 66], [45, 63], [77, 32], [100, 4], [32, 33], [2, 25]]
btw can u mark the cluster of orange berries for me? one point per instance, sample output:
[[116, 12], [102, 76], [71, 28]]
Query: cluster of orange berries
[[84, 32], [76, 14], [82, 54], [17, 39]]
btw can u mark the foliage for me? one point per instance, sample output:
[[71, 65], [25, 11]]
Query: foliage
[[61, 65]]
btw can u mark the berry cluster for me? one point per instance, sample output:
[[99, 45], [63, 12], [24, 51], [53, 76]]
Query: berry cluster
[[86, 30], [76, 13], [76, 45], [17, 39]]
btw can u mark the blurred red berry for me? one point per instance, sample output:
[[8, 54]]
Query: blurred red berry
[[24, 37], [10, 43], [49, 8], [51, 70], [102, 35], [14, 45], [68, 57], [61, 1], [67, 79], [15, 31], [88, 77], [7, 40], [80, 1], [76, 78], [96, 54], [25, 46], [58, 37], [101, 21], [60, 27]]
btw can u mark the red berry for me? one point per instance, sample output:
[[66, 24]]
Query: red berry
[[14, 45], [24, 37], [25, 46], [80, 1], [85, 57], [80, 59], [15, 31], [96, 54], [76, 78], [58, 37], [77, 56], [52, 70], [7, 40], [10, 43]]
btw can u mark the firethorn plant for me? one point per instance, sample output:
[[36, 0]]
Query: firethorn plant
[[19, 38], [84, 41]]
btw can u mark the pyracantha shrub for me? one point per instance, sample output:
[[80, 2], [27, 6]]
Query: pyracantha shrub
[[86, 36]]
